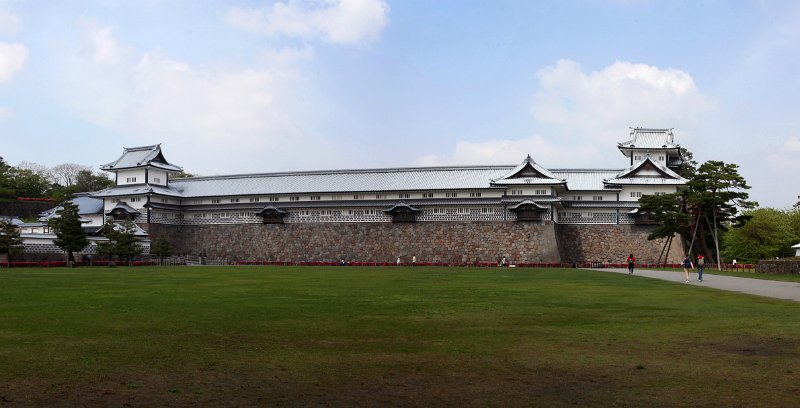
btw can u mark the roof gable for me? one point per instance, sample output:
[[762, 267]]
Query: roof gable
[[529, 172], [141, 156], [647, 171]]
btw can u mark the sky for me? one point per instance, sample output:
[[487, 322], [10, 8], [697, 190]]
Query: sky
[[231, 87]]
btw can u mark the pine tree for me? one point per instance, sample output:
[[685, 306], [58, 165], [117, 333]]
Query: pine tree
[[69, 234], [10, 241], [162, 248]]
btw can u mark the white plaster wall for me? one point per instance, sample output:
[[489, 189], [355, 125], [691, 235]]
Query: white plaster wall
[[123, 175], [152, 174]]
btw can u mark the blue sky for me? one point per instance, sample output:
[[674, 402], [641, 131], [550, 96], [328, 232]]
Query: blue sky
[[258, 86]]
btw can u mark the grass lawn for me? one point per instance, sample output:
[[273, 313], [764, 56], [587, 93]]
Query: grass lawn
[[272, 336]]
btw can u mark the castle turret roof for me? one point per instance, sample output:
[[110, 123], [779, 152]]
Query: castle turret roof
[[142, 156]]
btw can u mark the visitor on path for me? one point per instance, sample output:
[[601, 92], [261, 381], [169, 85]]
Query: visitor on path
[[504, 262], [687, 264], [398, 260], [414, 260], [631, 262], [701, 262], [734, 263]]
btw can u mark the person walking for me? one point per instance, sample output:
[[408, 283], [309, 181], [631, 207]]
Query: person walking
[[687, 264], [414, 260], [701, 262], [631, 262], [398, 260]]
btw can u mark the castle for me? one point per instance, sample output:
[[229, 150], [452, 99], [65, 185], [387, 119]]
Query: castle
[[454, 214]]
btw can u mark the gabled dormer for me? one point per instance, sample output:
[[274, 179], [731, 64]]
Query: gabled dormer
[[529, 178], [657, 143], [142, 165], [647, 171]]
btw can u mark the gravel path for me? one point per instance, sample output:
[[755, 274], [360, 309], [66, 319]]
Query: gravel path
[[760, 287]]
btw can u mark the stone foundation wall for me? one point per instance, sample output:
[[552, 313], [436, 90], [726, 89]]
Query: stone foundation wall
[[447, 242], [613, 243], [779, 266], [451, 242]]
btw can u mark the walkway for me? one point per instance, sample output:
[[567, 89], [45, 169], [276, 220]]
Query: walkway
[[760, 287]]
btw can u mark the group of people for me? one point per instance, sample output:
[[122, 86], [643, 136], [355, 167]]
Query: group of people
[[686, 263], [413, 260]]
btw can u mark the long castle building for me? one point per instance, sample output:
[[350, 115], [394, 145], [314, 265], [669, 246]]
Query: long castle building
[[455, 214]]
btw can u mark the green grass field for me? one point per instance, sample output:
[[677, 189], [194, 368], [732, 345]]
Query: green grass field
[[267, 336]]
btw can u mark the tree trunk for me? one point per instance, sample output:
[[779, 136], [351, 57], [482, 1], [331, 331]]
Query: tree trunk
[[696, 225], [716, 239], [70, 259]]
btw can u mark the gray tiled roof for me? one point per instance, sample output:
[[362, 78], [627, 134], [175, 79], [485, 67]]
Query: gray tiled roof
[[586, 180], [643, 138], [137, 189], [139, 157], [408, 179], [88, 205]]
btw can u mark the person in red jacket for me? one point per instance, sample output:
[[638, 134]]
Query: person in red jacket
[[631, 262]]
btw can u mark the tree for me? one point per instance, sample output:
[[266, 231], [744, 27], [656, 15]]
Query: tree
[[689, 165], [715, 198], [69, 235], [718, 196], [26, 183], [181, 175], [10, 242], [121, 241], [88, 181], [65, 174], [768, 234], [161, 248]]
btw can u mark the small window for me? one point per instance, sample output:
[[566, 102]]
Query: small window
[[254, 199], [234, 200], [474, 194], [451, 195], [294, 198], [516, 192], [541, 192], [427, 195], [404, 195], [358, 197], [215, 201], [380, 196], [131, 179], [136, 199], [636, 194], [315, 198], [577, 198], [597, 198], [274, 199]]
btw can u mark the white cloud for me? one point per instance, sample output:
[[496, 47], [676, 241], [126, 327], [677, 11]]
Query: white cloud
[[584, 115], [215, 118], [104, 46], [336, 21], [10, 23], [599, 106], [785, 157], [12, 59], [505, 151]]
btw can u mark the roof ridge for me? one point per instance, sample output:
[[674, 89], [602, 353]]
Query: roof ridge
[[344, 171]]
